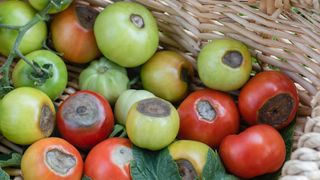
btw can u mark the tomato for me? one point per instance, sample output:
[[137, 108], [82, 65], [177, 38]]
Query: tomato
[[167, 75], [224, 64], [110, 159], [126, 33], [53, 86], [84, 119], [41, 4], [126, 100], [152, 123], [19, 13], [258, 150], [51, 158], [26, 115], [72, 33], [190, 156], [270, 98], [208, 116], [104, 77]]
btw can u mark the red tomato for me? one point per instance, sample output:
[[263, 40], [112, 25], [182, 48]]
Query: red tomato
[[85, 119], [258, 150], [51, 158], [269, 98], [208, 116], [109, 160]]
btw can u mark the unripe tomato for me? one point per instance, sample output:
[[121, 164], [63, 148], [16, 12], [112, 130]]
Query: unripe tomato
[[208, 116], [84, 119], [258, 150], [51, 159], [271, 98], [41, 4]]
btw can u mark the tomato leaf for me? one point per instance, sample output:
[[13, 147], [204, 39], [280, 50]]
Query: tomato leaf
[[153, 165], [214, 169], [13, 159], [4, 175], [287, 135], [85, 177]]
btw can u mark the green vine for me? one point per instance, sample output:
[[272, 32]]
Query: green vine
[[39, 71]]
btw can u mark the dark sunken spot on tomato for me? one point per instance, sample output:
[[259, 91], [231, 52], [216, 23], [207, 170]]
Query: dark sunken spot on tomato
[[186, 170], [276, 110], [154, 107], [59, 161], [46, 120], [205, 110], [86, 15], [233, 59]]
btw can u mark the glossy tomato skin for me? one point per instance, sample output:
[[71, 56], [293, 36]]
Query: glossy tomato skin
[[110, 159], [41, 4], [258, 150], [55, 85], [70, 37], [34, 163], [260, 89], [211, 132], [85, 119], [19, 13]]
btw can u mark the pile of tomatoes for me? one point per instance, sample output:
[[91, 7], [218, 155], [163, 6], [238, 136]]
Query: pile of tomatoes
[[164, 112]]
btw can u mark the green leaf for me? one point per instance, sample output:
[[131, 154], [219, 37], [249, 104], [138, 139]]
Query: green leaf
[[214, 169], [85, 177], [153, 165], [4, 175], [13, 159], [287, 135]]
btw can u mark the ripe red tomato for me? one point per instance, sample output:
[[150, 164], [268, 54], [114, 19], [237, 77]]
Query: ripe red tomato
[[258, 150], [85, 119], [109, 160], [269, 98], [208, 116], [51, 158]]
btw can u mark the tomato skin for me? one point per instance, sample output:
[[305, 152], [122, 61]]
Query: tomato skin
[[194, 127], [76, 42], [262, 87], [85, 136], [258, 150], [100, 165], [53, 86], [34, 165], [41, 4], [19, 13]]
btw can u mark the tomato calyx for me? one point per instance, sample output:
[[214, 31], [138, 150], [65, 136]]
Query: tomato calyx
[[137, 20], [102, 69], [46, 120], [81, 110], [86, 15], [233, 59], [154, 107], [276, 110], [205, 110], [60, 162], [40, 73], [186, 169]]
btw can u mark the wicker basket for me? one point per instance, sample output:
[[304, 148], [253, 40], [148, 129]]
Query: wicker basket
[[282, 34]]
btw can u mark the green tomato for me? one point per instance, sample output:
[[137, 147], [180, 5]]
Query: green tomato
[[190, 156], [224, 64], [126, 100], [152, 123], [106, 78], [19, 13], [41, 4], [26, 115], [126, 33], [54, 86]]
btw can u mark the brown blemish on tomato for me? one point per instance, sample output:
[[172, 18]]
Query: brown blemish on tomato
[[205, 110], [81, 110], [276, 110], [59, 161], [121, 155], [86, 15], [232, 59], [46, 120], [137, 20], [154, 107], [186, 169]]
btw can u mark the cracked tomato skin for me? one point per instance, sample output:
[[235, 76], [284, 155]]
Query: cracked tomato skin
[[110, 159], [211, 132], [258, 150], [259, 90]]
